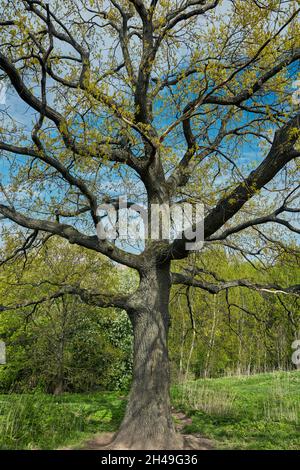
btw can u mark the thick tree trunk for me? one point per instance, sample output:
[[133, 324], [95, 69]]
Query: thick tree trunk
[[148, 422], [59, 387]]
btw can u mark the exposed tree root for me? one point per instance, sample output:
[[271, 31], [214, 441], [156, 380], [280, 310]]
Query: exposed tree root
[[107, 441]]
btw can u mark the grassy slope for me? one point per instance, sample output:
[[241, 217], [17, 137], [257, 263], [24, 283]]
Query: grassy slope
[[258, 412]]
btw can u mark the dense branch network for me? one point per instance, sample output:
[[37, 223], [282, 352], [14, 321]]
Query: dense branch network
[[227, 94]]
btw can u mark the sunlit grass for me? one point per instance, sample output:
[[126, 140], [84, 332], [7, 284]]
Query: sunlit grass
[[42, 421], [245, 412], [256, 412]]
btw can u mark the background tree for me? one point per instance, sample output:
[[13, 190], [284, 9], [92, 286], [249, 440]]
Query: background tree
[[240, 331], [170, 100], [61, 344]]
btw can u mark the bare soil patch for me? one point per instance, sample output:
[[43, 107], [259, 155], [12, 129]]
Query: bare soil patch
[[104, 441]]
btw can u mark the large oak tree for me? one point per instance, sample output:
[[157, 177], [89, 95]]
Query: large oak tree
[[173, 100]]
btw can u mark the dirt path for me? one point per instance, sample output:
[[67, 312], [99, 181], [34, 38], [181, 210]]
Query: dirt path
[[191, 441]]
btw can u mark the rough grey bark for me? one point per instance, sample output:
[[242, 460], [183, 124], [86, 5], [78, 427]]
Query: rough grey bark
[[148, 422]]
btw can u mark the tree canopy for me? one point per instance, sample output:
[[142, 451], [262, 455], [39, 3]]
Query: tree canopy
[[164, 101]]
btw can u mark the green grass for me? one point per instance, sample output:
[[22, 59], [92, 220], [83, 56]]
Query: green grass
[[257, 412], [39, 421]]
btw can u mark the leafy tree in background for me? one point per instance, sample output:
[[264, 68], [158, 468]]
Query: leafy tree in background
[[239, 331], [65, 345], [173, 101], [61, 344]]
